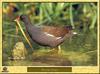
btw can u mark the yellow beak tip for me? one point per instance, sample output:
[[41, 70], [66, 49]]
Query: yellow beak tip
[[15, 20]]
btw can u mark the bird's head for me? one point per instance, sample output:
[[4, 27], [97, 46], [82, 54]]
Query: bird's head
[[22, 17]]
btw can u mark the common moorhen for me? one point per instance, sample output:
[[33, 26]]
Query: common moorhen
[[47, 35]]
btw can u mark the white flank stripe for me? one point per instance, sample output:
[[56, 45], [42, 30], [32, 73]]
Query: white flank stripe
[[52, 35], [49, 34]]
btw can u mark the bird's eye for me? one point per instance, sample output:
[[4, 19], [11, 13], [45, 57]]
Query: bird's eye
[[22, 17]]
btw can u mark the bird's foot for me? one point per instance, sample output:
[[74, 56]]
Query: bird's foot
[[54, 51]]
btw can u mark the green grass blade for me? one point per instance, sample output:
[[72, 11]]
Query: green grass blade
[[94, 19], [71, 16]]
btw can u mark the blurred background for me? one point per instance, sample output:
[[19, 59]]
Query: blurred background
[[81, 49]]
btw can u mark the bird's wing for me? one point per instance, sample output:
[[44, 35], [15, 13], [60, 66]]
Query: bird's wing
[[54, 31], [51, 35]]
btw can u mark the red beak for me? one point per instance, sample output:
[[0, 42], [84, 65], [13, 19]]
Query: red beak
[[18, 18]]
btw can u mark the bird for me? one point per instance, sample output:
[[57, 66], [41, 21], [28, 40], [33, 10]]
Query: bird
[[51, 36]]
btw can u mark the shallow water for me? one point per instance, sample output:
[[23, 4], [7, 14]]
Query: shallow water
[[81, 50]]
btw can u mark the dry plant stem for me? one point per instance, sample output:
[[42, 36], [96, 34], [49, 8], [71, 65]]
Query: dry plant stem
[[23, 33], [16, 29], [90, 52]]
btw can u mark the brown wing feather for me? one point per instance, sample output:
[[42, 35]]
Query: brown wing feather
[[56, 31]]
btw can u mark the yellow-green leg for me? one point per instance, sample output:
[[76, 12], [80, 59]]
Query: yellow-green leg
[[56, 50], [59, 49]]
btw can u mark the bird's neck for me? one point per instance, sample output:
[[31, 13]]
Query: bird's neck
[[27, 22]]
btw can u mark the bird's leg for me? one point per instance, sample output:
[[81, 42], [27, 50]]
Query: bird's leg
[[52, 49], [56, 50], [59, 49]]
